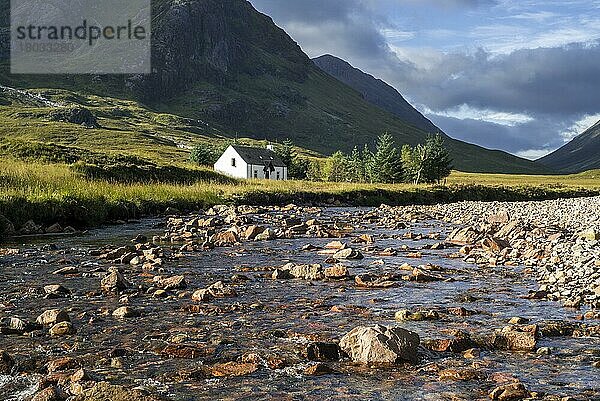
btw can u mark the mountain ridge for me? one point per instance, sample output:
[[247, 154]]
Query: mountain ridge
[[580, 154], [375, 91]]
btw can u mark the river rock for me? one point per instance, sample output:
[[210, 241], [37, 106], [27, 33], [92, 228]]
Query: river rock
[[62, 329], [266, 235], [515, 339], [6, 363], [495, 245], [54, 229], [217, 290], [62, 364], [380, 344], [15, 325], [6, 226], [306, 272], [348, 253], [53, 316], [125, 312], [510, 392], [56, 291], [49, 394], [500, 217], [336, 272], [464, 236], [230, 369], [170, 283], [406, 315], [318, 369], [320, 351], [228, 237], [66, 270], [590, 235], [105, 391], [252, 231], [114, 281], [30, 228], [281, 274]]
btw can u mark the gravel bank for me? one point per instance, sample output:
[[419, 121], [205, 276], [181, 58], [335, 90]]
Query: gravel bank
[[559, 239]]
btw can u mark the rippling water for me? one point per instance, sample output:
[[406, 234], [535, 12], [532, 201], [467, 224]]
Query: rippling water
[[301, 309]]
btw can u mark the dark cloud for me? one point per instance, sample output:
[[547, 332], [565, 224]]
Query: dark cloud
[[556, 80], [348, 28], [529, 136]]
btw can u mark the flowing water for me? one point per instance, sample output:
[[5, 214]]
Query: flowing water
[[279, 318]]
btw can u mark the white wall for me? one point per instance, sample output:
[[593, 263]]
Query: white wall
[[244, 170], [223, 165], [260, 174]]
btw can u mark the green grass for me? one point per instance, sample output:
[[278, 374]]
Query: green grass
[[49, 193]]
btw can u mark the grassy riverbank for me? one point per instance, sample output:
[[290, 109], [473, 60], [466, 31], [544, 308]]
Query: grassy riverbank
[[49, 193]]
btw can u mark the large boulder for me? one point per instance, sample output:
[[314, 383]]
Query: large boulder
[[380, 345]]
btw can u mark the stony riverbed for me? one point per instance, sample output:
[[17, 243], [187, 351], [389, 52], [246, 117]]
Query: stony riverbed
[[413, 303]]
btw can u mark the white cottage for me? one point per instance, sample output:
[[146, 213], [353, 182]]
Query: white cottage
[[246, 162]]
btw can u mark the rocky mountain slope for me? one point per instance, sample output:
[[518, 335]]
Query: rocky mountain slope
[[375, 91], [581, 154], [230, 69]]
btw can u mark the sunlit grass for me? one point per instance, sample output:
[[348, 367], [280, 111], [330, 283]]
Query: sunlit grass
[[57, 192]]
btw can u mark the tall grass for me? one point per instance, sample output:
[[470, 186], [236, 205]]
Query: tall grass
[[47, 193]]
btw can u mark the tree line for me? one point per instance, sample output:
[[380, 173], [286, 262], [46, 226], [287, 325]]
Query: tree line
[[429, 162]]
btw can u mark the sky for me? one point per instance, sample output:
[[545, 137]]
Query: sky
[[517, 75]]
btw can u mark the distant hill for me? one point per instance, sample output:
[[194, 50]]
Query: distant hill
[[228, 71], [375, 91], [581, 154], [383, 95]]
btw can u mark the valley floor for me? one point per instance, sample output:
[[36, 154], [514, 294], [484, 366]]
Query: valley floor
[[34, 197]]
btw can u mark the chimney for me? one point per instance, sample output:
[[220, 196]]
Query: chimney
[[271, 147]]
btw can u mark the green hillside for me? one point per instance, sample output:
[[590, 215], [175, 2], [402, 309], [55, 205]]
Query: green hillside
[[223, 71], [581, 154]]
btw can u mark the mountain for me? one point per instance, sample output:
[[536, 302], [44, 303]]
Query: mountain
[[581, 154], [224, 70], [374, 91], [383, 95]]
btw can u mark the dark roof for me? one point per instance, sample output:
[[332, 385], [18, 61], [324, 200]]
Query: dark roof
[[259, 156]]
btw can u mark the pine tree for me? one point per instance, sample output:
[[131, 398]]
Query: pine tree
[[440, 162], [386, 164], [428, 163], [356, 166], [337, 167], [367, 159], [286, 152]]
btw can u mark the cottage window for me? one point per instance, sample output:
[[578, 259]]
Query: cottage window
[[255, 173], [278, 175], [233, 162]]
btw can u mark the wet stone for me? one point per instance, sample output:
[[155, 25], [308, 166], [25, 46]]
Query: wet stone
[[515, 339], [6, 363], [233, 369], [380, 345], [53, 316], [510, 392], [125, 312], [320, 351], [114, 281], [62, 329], [318, 369]]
